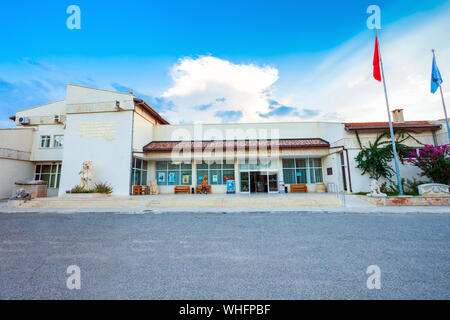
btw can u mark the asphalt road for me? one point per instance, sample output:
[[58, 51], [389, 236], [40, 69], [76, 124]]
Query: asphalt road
[[224, 256]]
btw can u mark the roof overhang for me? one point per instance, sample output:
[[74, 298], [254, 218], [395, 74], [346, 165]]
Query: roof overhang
[[402, 126], [151, 111], [168, 146]]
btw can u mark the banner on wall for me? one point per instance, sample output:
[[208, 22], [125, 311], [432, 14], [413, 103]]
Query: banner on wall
[[185, 179]]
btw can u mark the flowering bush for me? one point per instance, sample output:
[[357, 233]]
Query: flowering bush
[[103, 187], [79, 189], [434, 162]]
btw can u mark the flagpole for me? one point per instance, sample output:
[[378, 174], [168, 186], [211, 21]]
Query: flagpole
[[442, 96], [391, 128]]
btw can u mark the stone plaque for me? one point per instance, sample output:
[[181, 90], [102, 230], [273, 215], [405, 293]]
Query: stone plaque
[[433, 189]]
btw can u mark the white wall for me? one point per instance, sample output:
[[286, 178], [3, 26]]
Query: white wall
[[78, 95], [47, 154], [15, 144], [111, 155], [20, 139], [142, 132], [332, 161], [12, 171], [360, 183]]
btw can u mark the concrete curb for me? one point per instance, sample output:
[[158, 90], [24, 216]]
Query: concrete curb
[[303, 210]]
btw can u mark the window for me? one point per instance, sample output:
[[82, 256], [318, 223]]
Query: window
[[302, 170], [139, 172], [409, 153], [217, 173], [58, 141], [45, 141], [50, 173], [170, 173]]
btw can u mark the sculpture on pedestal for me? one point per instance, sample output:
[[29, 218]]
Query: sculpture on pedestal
[[86, 175], [375, 189]]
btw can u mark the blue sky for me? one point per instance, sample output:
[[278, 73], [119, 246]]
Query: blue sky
[[264, 60]]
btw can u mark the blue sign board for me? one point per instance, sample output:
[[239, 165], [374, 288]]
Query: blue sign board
[[230, 186]]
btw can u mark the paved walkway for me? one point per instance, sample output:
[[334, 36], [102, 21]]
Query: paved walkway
[[353, 204]]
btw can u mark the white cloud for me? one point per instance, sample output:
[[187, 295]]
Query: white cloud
[[208, 85]]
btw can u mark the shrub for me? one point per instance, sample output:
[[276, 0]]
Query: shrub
[[103, 187], [412, 186], [79, 189], [434, 162]]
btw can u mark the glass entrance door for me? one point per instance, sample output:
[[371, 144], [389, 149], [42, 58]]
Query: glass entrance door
[[273, 182], [245, 182], [259, 182]]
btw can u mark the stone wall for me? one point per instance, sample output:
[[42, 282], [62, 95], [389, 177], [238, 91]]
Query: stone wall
[[409, 201]]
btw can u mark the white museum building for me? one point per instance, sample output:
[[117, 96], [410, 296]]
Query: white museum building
[[130, 144]]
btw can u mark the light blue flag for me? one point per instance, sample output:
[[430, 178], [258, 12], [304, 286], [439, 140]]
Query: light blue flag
[[436, 78]]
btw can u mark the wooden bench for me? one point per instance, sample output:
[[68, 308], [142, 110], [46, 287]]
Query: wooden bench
[[298, 188], [198, 189], [182, 189], [137, 190]]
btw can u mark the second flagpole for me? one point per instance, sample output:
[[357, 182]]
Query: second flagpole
[[391, 128], [442, 97]]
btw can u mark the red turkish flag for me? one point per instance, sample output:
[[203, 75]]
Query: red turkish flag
[[376, 62]]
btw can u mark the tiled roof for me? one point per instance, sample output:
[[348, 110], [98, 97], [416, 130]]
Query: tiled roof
[[384, 125], [160, 146]]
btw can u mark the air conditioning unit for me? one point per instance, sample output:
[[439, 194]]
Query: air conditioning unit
[[24, 120], [57, 118]]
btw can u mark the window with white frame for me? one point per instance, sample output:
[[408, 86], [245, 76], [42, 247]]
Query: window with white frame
[[51, 173], [172, 173], [45, 141], [302, 170], [216, 173], [139, 172], [58, 141]]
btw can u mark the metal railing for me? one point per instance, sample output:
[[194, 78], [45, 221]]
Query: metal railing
[[334, 188]]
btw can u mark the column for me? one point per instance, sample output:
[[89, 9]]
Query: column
[[237, 176], [194, 174]]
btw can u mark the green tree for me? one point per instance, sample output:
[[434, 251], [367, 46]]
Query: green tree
[[375, 158]]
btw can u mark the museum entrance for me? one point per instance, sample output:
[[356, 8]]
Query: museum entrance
[[259, 182]]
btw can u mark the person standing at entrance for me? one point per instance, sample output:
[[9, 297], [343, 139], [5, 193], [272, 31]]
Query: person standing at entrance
[[204, 186]]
